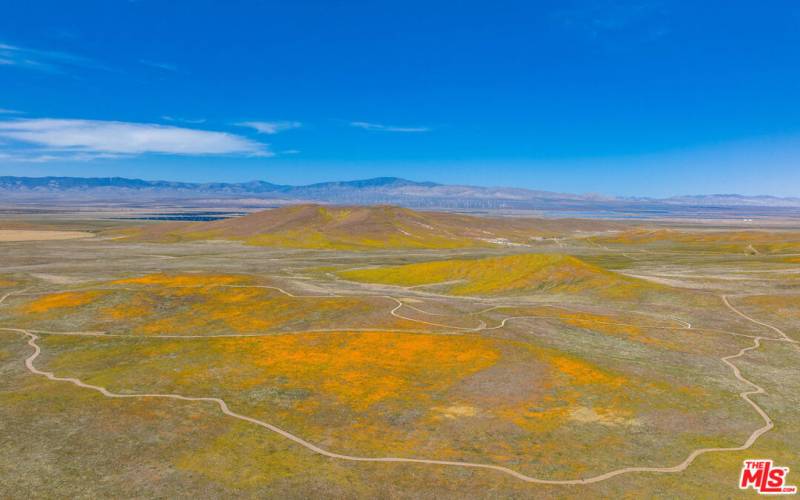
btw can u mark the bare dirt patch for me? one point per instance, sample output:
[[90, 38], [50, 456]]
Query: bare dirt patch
[[32, 235]]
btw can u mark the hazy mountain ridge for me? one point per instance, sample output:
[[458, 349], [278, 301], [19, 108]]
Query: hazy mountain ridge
[[380, 190], [734, 200]]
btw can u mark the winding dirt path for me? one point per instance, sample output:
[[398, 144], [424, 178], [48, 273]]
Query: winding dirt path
[[775, 329], [223, 406], [9, 294]]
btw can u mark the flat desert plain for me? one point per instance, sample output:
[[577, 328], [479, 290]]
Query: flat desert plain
[[40, 235]]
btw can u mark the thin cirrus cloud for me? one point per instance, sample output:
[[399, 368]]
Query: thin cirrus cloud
[[43, 60], [270, 128], [190, 121], [59, 139], [6, 111], [387, 128], [37, 157]]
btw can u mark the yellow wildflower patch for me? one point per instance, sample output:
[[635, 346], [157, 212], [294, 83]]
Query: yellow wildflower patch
[[568, 382], [511, 274], [750, 242], [364, 368], [185, 280], [61, 300], [583, 373]]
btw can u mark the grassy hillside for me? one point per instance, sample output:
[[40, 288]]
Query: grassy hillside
[[362, 228], [200, 304], [503, 275], [748, 242]]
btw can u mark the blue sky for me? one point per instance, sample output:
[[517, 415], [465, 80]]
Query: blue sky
[[626, 97]]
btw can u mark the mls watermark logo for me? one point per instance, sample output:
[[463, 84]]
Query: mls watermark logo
[[765, 478]]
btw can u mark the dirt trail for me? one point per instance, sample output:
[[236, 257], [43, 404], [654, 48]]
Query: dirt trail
[[4, 297], [745, 395], [775, 329]]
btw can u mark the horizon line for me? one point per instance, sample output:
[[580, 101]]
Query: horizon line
[[389, 177]]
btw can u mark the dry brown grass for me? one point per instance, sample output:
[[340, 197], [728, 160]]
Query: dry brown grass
[[9, 235]]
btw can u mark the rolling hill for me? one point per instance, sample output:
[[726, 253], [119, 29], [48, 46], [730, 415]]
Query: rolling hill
[[515, 274], [748, 242], [360, 227]]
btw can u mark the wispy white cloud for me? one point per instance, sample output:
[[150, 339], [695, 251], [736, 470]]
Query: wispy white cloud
[[51, 139], [190, 121], [43, 60], [159, 65], [387, 128], [6, 111], [270, 127], [32, 156]]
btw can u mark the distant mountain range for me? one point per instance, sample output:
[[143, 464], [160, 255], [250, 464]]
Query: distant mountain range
[[381, 190]]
